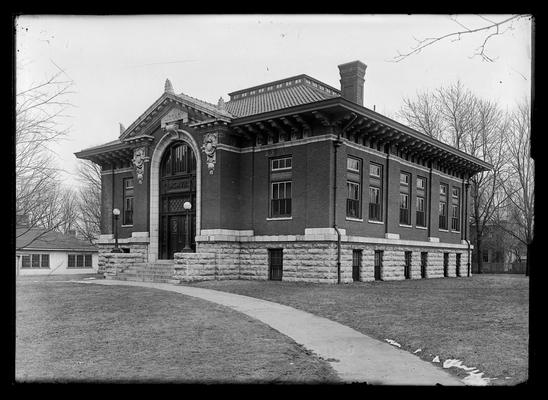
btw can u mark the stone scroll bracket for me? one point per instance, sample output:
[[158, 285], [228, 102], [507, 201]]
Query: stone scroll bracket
[[209, 147], [139, 158]]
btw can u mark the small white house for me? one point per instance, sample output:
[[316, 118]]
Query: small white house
[[41, 252]]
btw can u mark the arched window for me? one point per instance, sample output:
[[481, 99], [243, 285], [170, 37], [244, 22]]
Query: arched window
[[178, 160]]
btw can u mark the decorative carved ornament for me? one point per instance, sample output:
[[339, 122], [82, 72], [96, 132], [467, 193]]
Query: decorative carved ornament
[[139, 158], [209, 148]]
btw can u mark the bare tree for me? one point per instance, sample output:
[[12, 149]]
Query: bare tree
[[422, 114], [487, 30], [519, 183], [40, 109], [457, 117], [89, 200]]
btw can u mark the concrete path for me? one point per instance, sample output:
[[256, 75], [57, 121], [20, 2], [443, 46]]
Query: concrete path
[[354, 356]]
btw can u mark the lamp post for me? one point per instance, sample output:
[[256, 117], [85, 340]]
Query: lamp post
[[187, 206], [116, 213]]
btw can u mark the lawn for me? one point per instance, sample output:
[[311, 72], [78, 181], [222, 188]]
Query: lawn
[[481, 320], [68, 332]]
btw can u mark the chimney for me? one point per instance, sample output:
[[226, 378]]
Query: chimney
[[352, 79]]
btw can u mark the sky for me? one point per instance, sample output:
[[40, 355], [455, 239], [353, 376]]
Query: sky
[[119, 64]]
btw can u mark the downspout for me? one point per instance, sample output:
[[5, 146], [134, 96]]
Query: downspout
[[112, 197], [336, 144], [466, 186]]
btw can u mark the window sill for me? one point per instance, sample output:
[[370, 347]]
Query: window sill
[[406, 226], [421, 227], [354, 219], [35, 268], [127, 226], [443, 230], [279, 219], [375, 222]]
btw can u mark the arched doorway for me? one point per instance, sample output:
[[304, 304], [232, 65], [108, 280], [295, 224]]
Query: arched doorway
[[177, 226]]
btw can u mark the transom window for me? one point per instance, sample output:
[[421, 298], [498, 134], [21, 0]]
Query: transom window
[[179, 159], [375, 170], [421, 183], [279, 164], [443, 189], [353, 164]]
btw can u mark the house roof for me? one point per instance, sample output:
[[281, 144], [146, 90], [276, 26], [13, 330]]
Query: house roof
[[42, 239], [289, 92]]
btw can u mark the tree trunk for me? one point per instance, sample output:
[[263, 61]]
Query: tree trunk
[[479, 255], [528, 258]]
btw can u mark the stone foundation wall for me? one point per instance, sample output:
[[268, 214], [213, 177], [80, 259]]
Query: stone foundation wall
[[303, 260], [114, 263], [138, 251], [191, 267]]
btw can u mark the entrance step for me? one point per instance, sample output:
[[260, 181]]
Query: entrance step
[[159, 271]]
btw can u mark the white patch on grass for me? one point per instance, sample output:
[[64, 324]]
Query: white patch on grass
[[393, 342], [416, 351], [436, 359]]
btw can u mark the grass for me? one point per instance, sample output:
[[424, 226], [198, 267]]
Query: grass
[[481, 320], [68, 332]]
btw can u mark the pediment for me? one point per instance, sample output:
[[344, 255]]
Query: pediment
[[174, 115], [169, 108]]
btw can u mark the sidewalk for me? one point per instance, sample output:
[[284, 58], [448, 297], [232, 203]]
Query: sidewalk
[[353, 355]]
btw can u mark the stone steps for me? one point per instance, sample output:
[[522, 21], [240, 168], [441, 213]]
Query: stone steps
[[160, 272]]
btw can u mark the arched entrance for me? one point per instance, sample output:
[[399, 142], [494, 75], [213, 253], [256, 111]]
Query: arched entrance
[[177, 226]]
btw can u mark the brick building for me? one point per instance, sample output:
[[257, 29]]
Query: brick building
[[292, 179]]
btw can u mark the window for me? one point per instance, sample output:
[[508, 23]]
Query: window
[[455, 210], [275, 262], [127, 218], [353, 164], [375, 192], [420, 213], [443, 215], [378, 264], [424, 263], [457, 265], [35, 261], [405, 210], [353, 200], [445, 265], [375, 170], [356, 264], [279, 164], [353, 184], [281, 199], [79, 261], [25, 261], [443, 207], [407, 266], [443, 189], [44, 263], [485, 255]]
